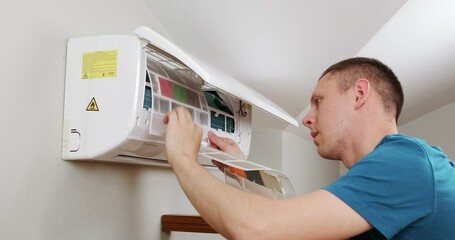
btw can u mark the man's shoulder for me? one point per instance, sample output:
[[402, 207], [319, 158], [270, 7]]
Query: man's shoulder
[[400, 146], [401, 140], [406, 148]]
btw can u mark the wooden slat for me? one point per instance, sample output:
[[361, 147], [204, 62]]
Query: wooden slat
[[182, 223]]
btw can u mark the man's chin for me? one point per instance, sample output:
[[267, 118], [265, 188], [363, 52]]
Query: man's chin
[[327, 156]]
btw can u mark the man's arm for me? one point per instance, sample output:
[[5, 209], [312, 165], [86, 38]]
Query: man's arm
[[241, 215]]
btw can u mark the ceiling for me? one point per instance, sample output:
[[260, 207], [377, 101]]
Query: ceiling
[[280, 48]]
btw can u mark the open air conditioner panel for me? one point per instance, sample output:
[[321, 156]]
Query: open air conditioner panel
[[118, 89]]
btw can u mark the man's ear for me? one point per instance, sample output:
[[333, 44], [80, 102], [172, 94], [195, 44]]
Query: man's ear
[[362, 90]]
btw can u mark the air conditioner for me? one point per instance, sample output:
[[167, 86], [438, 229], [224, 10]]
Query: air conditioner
[[118, 89]]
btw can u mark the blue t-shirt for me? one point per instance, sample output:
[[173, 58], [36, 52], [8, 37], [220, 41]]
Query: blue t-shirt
[[404, 188]]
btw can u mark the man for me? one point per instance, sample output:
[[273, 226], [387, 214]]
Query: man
[[398, 187]]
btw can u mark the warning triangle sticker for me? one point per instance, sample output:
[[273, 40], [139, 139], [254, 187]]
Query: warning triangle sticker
[[92, 106]]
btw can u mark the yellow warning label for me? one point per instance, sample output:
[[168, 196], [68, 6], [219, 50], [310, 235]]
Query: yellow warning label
[[100, 64], [92, 106]]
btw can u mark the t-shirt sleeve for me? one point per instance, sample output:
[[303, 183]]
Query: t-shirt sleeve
[[390, 188]]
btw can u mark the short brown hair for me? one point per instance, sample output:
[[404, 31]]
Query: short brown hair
[[381, 77]]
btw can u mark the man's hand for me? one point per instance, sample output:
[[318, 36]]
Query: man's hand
[[183, 136], [226, 145]]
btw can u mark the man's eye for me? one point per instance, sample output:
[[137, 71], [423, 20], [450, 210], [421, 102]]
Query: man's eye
[[317, 101]]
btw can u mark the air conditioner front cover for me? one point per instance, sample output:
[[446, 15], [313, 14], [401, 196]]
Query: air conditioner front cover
[[117, 115]]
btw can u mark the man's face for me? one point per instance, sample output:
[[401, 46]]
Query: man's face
[[329, 118]]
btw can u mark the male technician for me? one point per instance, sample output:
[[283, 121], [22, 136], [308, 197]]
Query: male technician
[[398, 187]]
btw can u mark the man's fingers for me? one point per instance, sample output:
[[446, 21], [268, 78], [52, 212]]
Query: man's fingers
[[221, 143], [180, 113], [183, 114], [214, 146], [214, 140], [225, 144], [166, 118]]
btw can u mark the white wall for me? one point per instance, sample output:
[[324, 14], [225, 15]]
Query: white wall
[[42, 196], [266, 148], [436, 127]]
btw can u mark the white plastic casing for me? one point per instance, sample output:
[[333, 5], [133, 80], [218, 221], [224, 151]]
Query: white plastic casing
[[118, 116]]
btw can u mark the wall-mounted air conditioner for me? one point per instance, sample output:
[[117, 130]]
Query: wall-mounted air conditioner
[[118, 89]]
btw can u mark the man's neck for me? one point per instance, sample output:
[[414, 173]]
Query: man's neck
[[366, 140]]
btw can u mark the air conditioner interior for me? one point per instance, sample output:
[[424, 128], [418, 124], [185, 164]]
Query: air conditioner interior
[[170, 83]]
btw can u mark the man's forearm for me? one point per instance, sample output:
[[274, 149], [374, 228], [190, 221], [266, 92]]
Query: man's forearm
[[227, 209]]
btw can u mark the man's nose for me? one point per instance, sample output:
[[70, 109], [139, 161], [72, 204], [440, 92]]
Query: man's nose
[[308, 120]]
